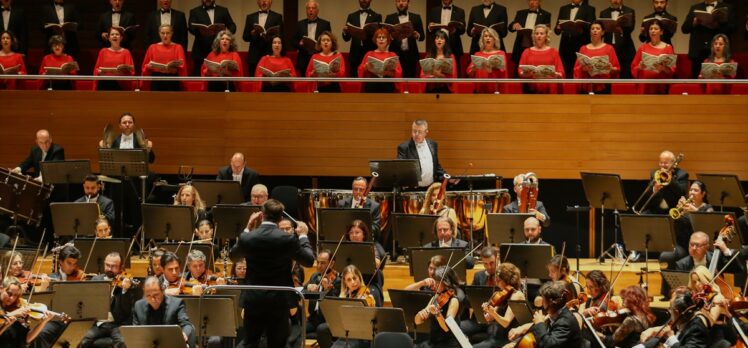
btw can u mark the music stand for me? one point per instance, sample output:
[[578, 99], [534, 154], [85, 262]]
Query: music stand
[[27, 256], [724, 189], [522, 311], [506, 227], [125, 164], [604, 191], [99, 253], [216, 317], [236, 295], [330, 307], [82, 299], [420, 257], [168, 222], [396, 174], [231, 219], [154, 336], [676, 279], [361, 254], [648, 233], [412, 302], [476, 296], [712, 223], [219, 191], [181, 250], [74, 332], [531, 259], [333, 222], [65, 173], [74, 219], [411, 230], [364, 323]]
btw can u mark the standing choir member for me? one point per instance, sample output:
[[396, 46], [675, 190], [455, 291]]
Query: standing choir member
[[58, 59], [572, 40], [165, 53], [486, 15], [654, 47], [541, 54], [224, 49], [597, 48], [442, 15], [273, 63], [9, 59], [311, 27], [359, 47], [391, 68], [526, 20], [407, 48], [207, 14], [492, 67], [114, 60], [327, 46]]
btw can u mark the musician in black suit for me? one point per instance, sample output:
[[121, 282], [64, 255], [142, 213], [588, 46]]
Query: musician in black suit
[[13, 20], [487, 14], [58, 12], [407, 49], [660, 11], [258, 40], [165, 14], [444, 14], [116, 17], [312, 26], [445, 232], [691, 327], [45, 150], [155, 308], [206, 14], [92, 193], [622, 42], [559, 328], [359, 47], [527, 19], [570, 41], [540, 213], [127, 139], [425, 150], [699, 254], [238, 170], [270, 253], [359, 188], [699, 43], [667, 196]]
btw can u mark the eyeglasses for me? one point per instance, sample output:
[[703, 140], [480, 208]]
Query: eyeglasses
[[697, 245]]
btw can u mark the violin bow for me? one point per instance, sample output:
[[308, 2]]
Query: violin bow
[[714, 279], [38, 269], [376, 270], [609, 293], [10, 260], [184, 268], [332, 258], [88, 258], [38, 248], [122, 267], [436, 294]]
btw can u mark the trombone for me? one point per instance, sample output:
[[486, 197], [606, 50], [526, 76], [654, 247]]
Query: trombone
[[661, 177]]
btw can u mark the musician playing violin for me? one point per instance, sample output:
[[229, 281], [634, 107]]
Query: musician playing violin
[[120, 307], [558, 270], [632, 320], [103, 228], [297, 271], [67, 264], [156, 269], [329, 282], [486, 277], [598, 286], [353, 286], [688, 327], [445, 304], [197, 276], [170, 279], [15, 260], [358, 189], [700, 281], [433, 205], [239, 271], [15, 331], [429, 284], [496, 309]]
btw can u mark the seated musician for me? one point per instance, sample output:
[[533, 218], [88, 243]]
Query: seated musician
[[157, 308], [627, 334], [14, 261], [722, 333], [103, 228], [44, 151], [239, 171], [298, 272], [432, 205], [699, 255], [558, 270], [509, 282], [204, 232], [667, 196], [91, 191], [429, 284], [359, 232], [352, 286], [445, 304], [487, 277], [16, 332], [690, 326], [326, 279], [445, 231], [358, 189], [532, 230], [258, 195], [67, 264], [120, 306], [197, 277], [540, 213], [598, 287], [189, 196], [239, 271], [558, 328], [171, 277], [155, 268]]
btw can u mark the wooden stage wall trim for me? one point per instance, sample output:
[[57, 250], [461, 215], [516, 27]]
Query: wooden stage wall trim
[[556, 136]]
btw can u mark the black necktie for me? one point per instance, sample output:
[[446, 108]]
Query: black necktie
[[165, 11]]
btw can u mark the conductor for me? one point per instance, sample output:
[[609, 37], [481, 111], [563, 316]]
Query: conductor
[[270, 253]]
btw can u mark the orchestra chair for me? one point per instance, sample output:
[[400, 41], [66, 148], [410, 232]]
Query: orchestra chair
[[392, 339], [289, 196], [686, 88]]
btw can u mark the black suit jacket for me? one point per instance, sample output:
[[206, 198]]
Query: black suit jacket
[[259, 45], [544, 17], [513, 207], [458, 15], [18, 26], [359, 48], [249, 179], [202, 44], [570, 42], [563, 332], [121, 305], [376, 216], [624, 45], [736, 267], [106, 206], [55, 153], [701, 37], [456, 243], [178, 25], [497, 15], [407, 150], [480, 278], [135, 145], [126, 19], [666, 36], [175, 313], [671, 193], [49, 15], [408, 59], [302, 60], [694, 334]]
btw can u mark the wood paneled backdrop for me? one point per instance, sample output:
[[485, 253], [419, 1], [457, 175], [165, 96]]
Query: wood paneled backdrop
[[557, 136]]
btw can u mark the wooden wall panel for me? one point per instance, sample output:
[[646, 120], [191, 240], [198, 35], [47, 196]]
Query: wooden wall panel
[[557, 136]]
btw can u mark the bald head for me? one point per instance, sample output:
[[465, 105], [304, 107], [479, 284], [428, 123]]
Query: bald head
[[667, 158], [237, 163], [698, 245], [43, 140], [532, 229]]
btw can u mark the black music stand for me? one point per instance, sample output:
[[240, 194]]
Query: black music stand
[[725, 190], [605, 191], [82, 299], [125, 164], [74, 219], [649, 233], [181, 250], [396, 174], [74, 332], [330, 307], [477, 182], [215, 317], [219, 191], [332, 222], [506, 227], [27, 256], [712, 223], [236, 295], [65, 173], [168, 222], [231, 219], [364, 323], [522, 311], [476, 296], [361, 254], [531, 259], [675, 279], [102, 248], [154, 336], [411, 230], [412, 302], [420, 257]]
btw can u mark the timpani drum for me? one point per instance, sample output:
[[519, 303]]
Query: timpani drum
[[411, 202], [7, 193], [385, 207], [23, 196], [472, 206], [310, 200]]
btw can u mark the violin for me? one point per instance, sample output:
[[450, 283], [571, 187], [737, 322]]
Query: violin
[[79, 275], [442, 299], [31, 279], [575, 302], [500, 297], [119, 280], [363, 293]]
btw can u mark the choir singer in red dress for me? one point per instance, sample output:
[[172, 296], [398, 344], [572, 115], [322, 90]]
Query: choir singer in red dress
[[589, 66], [11, 62], [655, 47], [165, 58], [327, 63], [223, 61], [276, 64], [114, 60], [542, 56], [494, 66], [58, 63], [381, 63]]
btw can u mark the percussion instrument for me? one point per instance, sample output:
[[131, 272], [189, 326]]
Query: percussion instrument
[[22, 196], [411, 202], [472, 207]]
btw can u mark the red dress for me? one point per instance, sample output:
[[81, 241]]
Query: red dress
[[494, 74], [640, 73], [109, 58], [327, 86], [54, 61], [9, 61], [605, 50], [532, 56], [160, 53], [440, 86], [219, 57], [721, 88], [275, 64], [379, 86]]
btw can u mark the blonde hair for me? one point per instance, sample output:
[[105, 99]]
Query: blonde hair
[[547, 32], [347, 270], [705, 277], [426, 208], [197, 202]]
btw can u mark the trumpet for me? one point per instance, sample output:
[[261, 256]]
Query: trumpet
[[661, 177], [677, 212]]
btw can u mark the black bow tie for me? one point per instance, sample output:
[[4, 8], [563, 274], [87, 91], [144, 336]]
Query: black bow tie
[[165, 11], [487, 6], [402, 13], [211, 7], [574, 5], [4, 9], [447, 8], [311, 21], [263, 11], [116, 11], [60, 3], [615, 10], [533, 11], [363, 11]]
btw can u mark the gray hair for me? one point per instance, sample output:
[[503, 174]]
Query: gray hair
[[216, 47]]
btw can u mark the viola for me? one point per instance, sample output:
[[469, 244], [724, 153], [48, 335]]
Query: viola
[[500, 297], [612, 318]]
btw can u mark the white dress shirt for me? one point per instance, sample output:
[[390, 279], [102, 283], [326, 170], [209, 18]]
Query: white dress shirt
[[311, 30], [532, 18], [404, 42], [60, 13], [166, 18], [212, 15], [262, 19], [115, 19], [427, 164], [127, 142], [6, 19]]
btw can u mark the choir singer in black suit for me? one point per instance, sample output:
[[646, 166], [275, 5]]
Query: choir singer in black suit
[[116, 17], [165, 14], [45, 150], [572, 41], [359, 47], [259, 41], [527, 19], [407, 49], [155, 308], [59, 12], [660, 12], [425, 151], [207, 14], [621, 41], [13, 20], [311, 27], [270, 253], [699, 43], [442, 15], [238, 170], [487, 14]]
